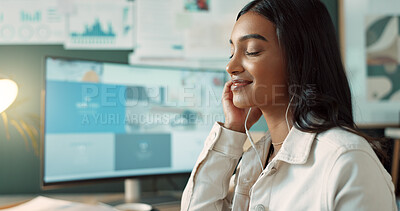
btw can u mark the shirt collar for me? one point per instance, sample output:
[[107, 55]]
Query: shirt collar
[[296, 147]]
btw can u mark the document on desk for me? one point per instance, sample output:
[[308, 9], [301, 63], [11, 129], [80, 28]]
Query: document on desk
[[41, 203]]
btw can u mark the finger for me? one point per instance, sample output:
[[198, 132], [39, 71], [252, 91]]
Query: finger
[[227, 93], [227, 87]]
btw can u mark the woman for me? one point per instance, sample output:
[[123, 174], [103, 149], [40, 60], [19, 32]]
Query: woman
[[286, 66]]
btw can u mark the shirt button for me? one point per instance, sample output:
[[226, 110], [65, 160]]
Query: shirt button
[[260, 207], [273, 171]]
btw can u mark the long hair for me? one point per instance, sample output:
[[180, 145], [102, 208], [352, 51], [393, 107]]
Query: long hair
[[317, 82]]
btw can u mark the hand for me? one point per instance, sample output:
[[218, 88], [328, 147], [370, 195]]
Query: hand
[[234, 116]]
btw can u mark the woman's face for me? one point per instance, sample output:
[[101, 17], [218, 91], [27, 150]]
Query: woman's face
[[257, 65]]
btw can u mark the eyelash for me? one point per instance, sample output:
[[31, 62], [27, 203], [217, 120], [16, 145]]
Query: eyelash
[[248, 54], [252, 53]]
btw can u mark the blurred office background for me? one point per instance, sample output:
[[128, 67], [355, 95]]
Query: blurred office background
[[23, 46]]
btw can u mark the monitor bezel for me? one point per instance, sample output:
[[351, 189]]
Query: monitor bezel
[[63, 184]]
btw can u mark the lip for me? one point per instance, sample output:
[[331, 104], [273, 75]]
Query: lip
[[239, 84]]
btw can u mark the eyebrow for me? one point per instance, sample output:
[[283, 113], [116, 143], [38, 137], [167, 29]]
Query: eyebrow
[[250, 36]]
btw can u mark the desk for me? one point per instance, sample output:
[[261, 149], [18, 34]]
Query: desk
[[7, 201]]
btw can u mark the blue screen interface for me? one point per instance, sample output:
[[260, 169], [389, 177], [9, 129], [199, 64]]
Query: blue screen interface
[[108, 120]]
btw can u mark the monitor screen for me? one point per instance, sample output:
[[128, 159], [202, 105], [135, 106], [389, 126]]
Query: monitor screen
[[106, 120]]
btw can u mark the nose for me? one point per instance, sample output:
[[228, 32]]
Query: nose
[[234, 66]]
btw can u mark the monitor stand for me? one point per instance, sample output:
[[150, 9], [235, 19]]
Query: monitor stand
[[133, 195], [132, 199], [132, 190]]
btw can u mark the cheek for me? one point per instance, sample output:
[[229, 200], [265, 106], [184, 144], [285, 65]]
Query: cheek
[[268, 73], [270, 80]]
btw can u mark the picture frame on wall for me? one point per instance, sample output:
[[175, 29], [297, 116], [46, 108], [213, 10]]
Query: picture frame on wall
[[370, 44]]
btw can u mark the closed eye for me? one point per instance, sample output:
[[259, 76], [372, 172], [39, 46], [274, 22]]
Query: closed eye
[[252, 53], [248, 54]]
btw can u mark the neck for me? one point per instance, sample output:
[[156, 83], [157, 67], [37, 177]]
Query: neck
[[276, 121]]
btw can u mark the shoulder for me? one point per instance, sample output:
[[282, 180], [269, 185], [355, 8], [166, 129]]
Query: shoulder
[[341, 140], [355, 177], [341, 147], [353, 171]]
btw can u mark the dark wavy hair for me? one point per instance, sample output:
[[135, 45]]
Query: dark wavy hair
[[317, 82]]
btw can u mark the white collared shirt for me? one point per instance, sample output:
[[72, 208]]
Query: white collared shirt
[[334, 170]]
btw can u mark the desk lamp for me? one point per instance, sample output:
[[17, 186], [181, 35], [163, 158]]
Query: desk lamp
[[8, 93]]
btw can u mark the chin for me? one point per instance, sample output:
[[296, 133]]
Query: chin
[[240, 102]]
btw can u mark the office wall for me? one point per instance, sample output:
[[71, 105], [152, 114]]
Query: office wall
[[19, 166]]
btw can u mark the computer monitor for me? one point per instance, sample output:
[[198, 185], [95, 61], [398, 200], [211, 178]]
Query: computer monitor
[[106, 120]]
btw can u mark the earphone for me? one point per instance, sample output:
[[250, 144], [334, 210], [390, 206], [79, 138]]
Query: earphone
[[251, 140], [249, 136]]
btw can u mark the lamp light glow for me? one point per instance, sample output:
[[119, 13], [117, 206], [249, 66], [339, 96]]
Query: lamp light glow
[[8, 93]]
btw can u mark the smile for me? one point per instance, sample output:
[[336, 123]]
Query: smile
[[239, 83]]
